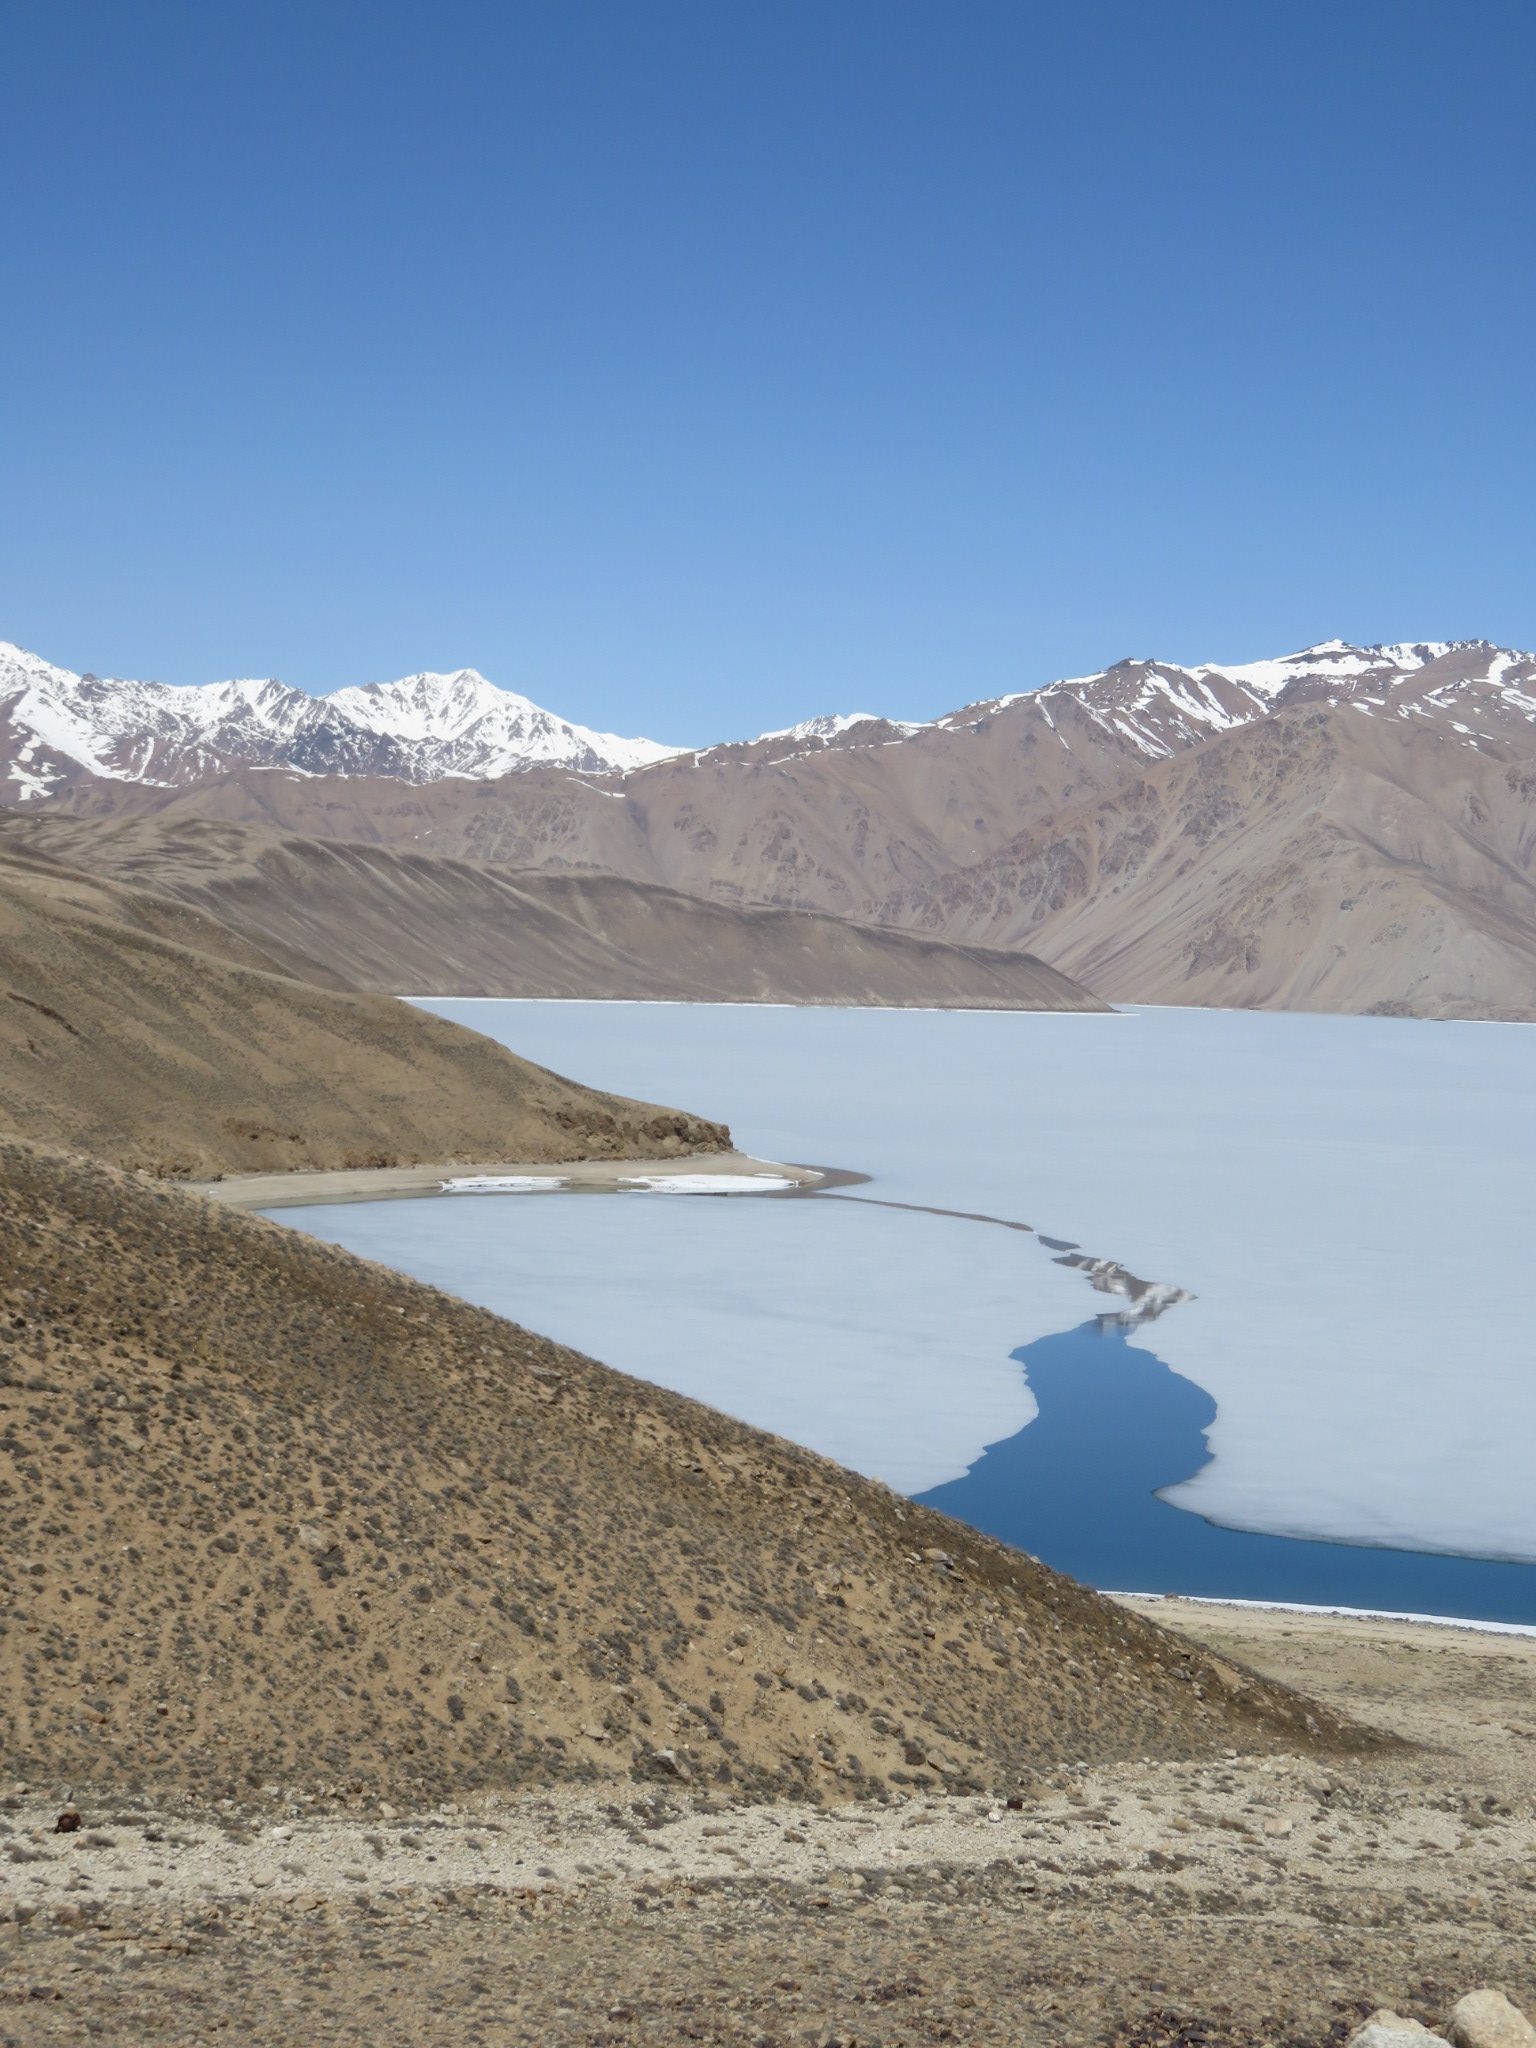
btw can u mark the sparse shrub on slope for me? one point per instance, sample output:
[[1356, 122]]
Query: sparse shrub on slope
[[270, 1513]]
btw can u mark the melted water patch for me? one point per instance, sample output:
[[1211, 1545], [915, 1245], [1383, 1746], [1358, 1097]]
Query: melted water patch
[[1078, 1488]]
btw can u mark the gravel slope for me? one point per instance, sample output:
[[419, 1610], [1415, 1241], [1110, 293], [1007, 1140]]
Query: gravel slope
[[277, 1514], [354, 916]]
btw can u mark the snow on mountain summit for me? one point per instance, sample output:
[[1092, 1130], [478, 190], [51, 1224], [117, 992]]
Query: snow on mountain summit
[[1158, 708], [57, 728], [428, 706], [480, 729]]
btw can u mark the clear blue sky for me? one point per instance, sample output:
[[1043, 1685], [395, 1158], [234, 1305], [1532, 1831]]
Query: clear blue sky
[[694, 367]]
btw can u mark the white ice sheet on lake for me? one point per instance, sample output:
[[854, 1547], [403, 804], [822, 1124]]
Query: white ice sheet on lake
[[1350, 1199], [822, 1323], [707, 1184], [504, 1184]]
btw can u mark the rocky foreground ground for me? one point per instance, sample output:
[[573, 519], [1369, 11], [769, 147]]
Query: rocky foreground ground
[[1246, 1899]]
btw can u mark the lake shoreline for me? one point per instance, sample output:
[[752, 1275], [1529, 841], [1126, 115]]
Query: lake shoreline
[[1379, 1622]]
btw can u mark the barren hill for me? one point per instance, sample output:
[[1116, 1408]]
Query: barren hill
[[1344, 828], [280, 1514], [142, 1031], [1071, 820], [354, 916]]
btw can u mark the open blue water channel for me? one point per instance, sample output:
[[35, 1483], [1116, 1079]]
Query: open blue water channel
[[1078, 1487]]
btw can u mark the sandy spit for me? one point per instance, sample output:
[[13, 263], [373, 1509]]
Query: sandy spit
[[393, 1183]]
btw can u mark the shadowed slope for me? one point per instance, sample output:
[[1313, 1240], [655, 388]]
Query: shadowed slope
[[349, 915], [272, 1512], [137, 1029]]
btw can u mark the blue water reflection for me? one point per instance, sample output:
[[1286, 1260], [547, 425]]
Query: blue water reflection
[[1078, 1488]]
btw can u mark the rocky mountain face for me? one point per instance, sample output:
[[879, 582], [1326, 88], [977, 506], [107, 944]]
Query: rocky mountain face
[[1316, 861], [1342, 828], [1159, 709], [58, 729]]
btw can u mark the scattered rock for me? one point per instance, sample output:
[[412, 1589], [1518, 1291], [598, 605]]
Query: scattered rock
[[1487, 2019], [1388, 2029]]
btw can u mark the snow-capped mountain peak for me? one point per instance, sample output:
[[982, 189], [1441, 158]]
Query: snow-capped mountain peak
[[481, 729], [427, 706], [832, 725], [1335, 659], [1158, 708], [826, 727], [57, 727]]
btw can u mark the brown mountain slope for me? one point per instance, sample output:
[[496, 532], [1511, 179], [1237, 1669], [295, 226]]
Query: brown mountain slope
[[139, 1030], [1318, 861], [834, 830], [275, 1513], [1231, 871], [366, 917]]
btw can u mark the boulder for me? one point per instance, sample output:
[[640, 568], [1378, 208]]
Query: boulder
[[1486, 2019], [1387, 2029]]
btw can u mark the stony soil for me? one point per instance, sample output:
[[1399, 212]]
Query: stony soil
[[1233, 1901]]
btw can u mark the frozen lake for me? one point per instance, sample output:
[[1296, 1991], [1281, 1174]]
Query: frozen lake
[[1347, 1200]]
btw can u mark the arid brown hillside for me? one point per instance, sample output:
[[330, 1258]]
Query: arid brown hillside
[[353, 916], [137, 1029], [271, 1513]]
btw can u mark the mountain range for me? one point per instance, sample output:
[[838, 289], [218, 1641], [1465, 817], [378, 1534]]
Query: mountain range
[[1341, 828], [58, 728]]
